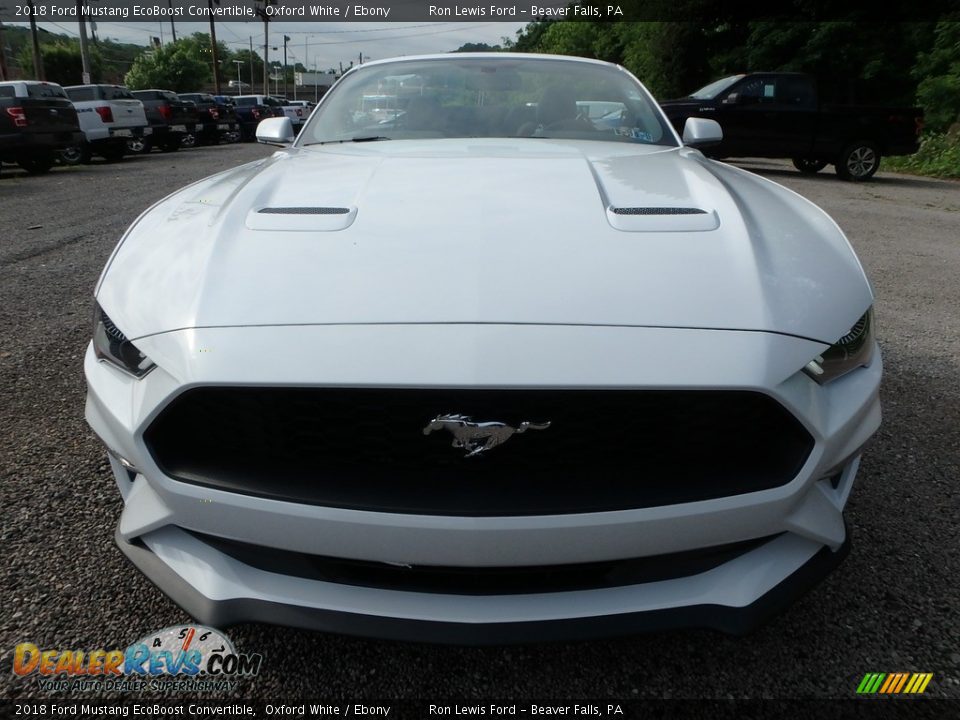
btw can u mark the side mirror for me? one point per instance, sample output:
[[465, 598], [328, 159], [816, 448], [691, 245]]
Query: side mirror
[[276, 131], [731, 99], [701, 132]]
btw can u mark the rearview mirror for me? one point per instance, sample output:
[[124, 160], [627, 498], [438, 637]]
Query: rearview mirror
[[701, 132], [276, 131]]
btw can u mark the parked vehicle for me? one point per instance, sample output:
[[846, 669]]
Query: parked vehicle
[[780, 115], [211, 127], [37, 121], [170, 120], [228, 114], [298, 114], [493, 374], [110, 116], [190, 138], [280, 107], [250, 111]]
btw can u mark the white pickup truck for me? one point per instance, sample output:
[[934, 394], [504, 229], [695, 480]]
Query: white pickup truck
[[110, 116]]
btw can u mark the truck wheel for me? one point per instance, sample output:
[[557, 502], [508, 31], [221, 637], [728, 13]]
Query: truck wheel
[[37, 165], [188, 140], [808, 166], [139, 146], [76, 154], [858, 161]]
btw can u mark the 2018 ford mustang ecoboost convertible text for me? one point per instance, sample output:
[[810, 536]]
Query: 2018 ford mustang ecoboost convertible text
[[487, 353]]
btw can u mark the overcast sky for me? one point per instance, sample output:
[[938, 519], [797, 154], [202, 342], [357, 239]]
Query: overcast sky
[[327, 44]]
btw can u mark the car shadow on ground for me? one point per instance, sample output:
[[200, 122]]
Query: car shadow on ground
[[827, 175]]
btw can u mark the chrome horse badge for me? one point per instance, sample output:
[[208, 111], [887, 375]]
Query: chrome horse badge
[[478, 437]]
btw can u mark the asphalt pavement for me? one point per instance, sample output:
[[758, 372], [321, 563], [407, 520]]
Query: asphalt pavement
[[891, 606]]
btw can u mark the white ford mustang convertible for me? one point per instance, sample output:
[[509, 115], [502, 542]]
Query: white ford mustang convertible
[[486, 354]]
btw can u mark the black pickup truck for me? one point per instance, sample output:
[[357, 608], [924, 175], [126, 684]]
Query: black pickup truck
[[170, 119], [37, 121], [779, 115], [216, 120]]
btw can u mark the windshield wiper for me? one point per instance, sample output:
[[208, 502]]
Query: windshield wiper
[[361, 138]]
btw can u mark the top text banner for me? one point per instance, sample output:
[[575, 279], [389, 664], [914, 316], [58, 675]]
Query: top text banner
[[704, 13], [151, 11]]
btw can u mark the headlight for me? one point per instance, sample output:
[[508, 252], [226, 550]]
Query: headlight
[[848, 353], [112, 345]]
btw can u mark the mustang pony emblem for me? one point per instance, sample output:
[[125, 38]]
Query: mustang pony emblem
[[478, 437]]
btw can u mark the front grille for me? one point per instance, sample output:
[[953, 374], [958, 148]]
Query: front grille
[[365, 448], [517, 580]]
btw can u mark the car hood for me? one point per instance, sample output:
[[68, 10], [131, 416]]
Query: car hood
[[486, 231]]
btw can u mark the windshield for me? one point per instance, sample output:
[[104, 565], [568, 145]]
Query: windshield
[[709, 92], [480, 97]]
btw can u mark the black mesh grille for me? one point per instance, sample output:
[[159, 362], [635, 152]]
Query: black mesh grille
[[303, 211], [366, 449], [483, 580], [658, 211]]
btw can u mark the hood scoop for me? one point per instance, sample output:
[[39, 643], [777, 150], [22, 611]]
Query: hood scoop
[[662, 219], [657, 211], [301, 218], [304, 211]]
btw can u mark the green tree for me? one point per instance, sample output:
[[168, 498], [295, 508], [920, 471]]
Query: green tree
[[570, 38], [477, 47], [61, 63], [938, 72], [528, 37], [172, 67]]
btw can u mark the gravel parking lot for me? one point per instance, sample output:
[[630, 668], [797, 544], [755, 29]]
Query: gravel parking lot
[[892, 606]]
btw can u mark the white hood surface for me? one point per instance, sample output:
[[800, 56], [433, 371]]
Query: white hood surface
[[486, 231]]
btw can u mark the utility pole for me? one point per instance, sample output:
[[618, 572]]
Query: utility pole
[[84, 50], [262, 12], [251, 63], [213, 47], [173, 28], [3, 55], [37, 60], [239, 64], [286, 39]]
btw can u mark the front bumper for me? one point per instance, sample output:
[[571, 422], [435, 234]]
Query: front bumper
[[513, 620], [803, 518]]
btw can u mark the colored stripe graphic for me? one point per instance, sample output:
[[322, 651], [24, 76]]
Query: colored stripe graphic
[[891, 680], [914, 682], [894, 683]]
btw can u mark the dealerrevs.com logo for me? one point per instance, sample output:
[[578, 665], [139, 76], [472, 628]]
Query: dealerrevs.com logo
[[189, 658]]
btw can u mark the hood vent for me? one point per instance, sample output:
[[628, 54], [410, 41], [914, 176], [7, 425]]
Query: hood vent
[[657, 211], [304, 211], [299, 218], [662, 219]]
